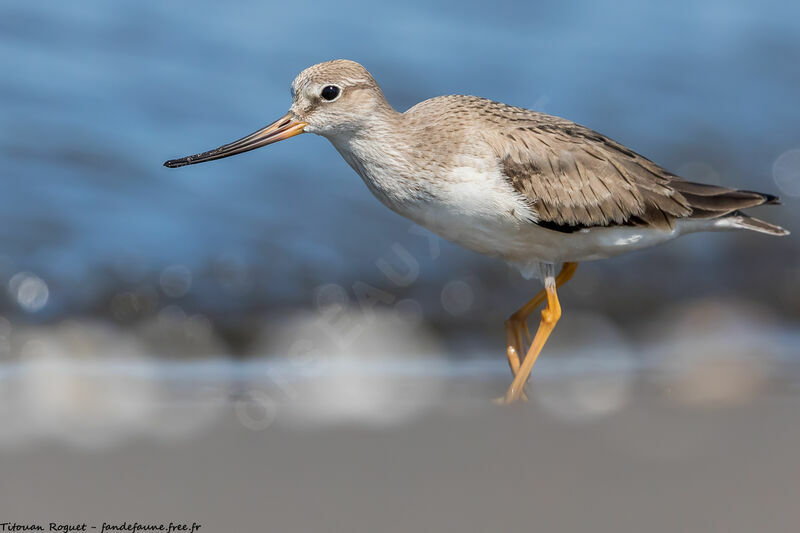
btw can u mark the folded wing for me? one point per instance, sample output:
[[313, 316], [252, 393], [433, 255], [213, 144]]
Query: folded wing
[[576, 178]]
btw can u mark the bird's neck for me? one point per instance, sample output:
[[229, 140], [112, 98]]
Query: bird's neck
[[379, 153]]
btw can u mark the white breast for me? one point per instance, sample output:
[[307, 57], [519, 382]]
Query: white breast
[[473, 206]]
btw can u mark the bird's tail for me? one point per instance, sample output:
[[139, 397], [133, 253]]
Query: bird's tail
[[742, 221], [723, 205]]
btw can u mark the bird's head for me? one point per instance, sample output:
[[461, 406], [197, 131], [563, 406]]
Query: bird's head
[[335, 98]]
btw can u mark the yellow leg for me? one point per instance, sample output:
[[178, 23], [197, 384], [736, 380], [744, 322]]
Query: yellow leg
[[513, 344], [513, 349], [550, 316], [517, 323]]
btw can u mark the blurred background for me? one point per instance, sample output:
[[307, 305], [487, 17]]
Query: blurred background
[[186, 325]]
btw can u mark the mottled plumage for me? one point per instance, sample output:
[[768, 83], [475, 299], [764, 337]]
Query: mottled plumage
[[533, 189], [575, 178]]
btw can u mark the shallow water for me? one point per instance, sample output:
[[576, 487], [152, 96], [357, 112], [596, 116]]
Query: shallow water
[[88, 384], [99, 94]]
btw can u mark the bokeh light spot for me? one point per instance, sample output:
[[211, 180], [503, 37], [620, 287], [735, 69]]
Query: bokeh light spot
[[331, 297], [457, 297], [29, 290], [175, 281], [786, 172]]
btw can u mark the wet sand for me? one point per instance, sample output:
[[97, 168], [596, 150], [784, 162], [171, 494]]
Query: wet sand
[[653, 465]]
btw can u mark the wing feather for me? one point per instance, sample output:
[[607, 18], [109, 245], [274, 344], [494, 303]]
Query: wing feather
[[574, 177]]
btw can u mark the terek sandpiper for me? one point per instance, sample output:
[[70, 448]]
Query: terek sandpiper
[[533, 189]]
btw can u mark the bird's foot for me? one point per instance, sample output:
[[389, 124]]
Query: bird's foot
[[504, 400]]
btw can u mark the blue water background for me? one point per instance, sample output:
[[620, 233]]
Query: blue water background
[[95, 95]]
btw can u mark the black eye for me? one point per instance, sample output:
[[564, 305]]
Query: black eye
[[330, 92]]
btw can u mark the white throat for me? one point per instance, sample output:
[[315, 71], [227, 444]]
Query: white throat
[[384, 167]]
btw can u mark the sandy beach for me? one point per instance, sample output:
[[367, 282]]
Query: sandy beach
[[658, 461]]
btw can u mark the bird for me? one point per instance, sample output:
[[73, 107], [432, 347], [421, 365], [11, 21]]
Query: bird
[[540, 192]]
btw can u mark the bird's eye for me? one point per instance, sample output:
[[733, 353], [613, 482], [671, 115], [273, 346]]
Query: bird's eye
[[330, 92]]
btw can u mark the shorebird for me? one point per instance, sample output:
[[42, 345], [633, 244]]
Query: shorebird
[[535, 190]]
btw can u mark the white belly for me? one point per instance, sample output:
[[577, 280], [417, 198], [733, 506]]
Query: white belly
[[524, 244], [523, 241]]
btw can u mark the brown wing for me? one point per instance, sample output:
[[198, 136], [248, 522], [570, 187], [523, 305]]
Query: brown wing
[[577, 178]]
